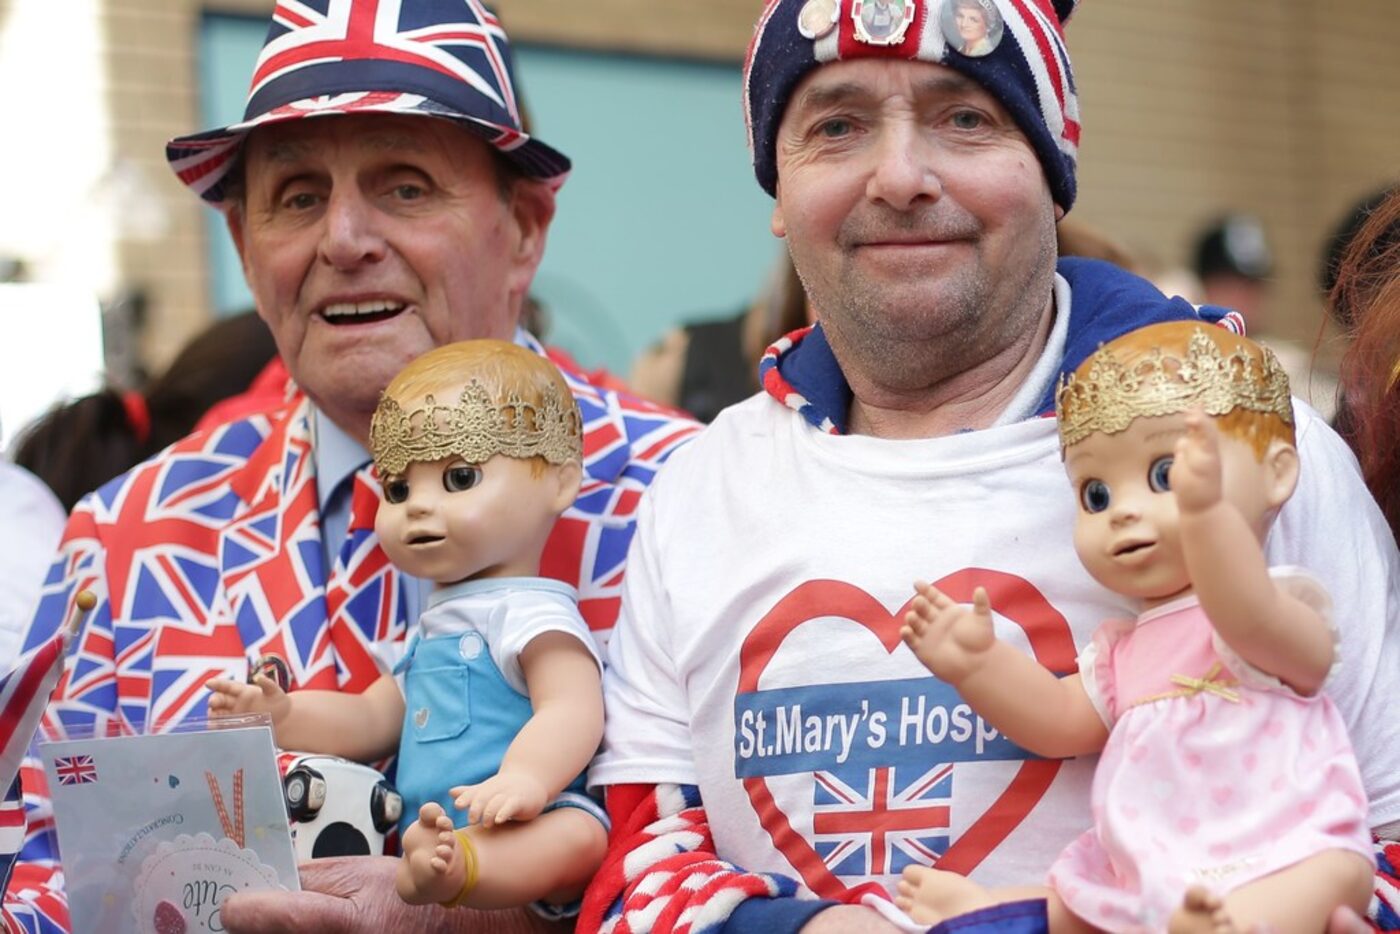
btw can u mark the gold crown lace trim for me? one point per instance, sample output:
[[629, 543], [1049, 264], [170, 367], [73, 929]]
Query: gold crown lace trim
[[1110, 396], [475, 428]]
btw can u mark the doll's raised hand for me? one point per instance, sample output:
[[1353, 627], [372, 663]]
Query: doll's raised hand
[[950, 638], [1195, 472], [231, 698], [502, 797]]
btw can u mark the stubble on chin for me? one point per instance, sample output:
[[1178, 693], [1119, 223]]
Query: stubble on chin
[[910, 335]]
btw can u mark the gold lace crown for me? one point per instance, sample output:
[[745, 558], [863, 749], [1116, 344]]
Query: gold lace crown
[[475, 428], [1110, 396]]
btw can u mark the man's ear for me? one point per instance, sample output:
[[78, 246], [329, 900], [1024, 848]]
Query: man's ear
[[1280, 472], [532, 207], [568, 478], [778, 224]]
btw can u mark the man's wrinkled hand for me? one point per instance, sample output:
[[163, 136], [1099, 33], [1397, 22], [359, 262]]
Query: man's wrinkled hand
[[355, 895]]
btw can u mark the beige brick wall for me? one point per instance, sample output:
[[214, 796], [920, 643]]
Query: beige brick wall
[[152, 89], [1287, 110]]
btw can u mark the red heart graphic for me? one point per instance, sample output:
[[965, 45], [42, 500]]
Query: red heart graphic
[[1011, 597], [168, 919]]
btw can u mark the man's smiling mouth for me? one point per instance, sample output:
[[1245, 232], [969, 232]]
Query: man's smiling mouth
[[369, 312]]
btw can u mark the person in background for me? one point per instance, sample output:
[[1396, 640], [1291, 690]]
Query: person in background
[[1367, 290], [1235, 267], [32, 519], [1339, 303], [1232, 261], [80, 445], [706, 366]]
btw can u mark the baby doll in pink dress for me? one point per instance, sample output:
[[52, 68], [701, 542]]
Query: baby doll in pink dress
[[1226, 795]]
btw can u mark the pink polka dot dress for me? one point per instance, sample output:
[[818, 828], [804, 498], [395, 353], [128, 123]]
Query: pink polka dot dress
[[1214, 773]]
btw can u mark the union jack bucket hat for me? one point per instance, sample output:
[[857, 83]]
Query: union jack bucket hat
[[449, 59], [1013, 48]]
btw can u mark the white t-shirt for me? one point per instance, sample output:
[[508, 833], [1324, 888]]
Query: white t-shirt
[[508, 613], [758, 657]]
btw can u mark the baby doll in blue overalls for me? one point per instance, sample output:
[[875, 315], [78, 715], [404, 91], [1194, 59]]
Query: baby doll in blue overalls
[[478, 446]]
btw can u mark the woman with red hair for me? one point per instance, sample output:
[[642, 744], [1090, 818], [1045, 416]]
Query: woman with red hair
[[1368, 286]]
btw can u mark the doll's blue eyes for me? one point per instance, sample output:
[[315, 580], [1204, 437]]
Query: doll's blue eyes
[[395, 490], [1159, 475], [1093, 496], [460, 478]]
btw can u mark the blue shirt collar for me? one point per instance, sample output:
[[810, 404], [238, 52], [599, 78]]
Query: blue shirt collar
[[337, 456]]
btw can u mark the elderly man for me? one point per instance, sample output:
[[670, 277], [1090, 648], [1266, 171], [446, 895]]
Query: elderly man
[[384, 200], [775, 757]]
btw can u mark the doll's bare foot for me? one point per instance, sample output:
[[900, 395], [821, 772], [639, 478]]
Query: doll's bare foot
[[432, 869], [933, 895], [1201, 912]]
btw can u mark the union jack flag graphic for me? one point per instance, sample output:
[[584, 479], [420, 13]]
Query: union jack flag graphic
[[75, 770], [874, 822]]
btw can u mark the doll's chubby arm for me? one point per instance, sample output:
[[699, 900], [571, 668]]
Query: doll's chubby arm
[[1048, 715], [363, 727], [1269, 628], [555, 744]]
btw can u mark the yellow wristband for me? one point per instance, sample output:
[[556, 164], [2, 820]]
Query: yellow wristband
[[469, 865]]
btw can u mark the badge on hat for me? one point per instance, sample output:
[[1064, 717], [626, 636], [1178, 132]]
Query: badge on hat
[[882, 22], [972, 27], [818, 18]]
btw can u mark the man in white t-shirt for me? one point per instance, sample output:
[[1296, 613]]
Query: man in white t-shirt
[[774, 757]]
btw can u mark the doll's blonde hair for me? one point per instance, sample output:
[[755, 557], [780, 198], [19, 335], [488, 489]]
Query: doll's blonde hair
[[528, 392], [1157, 370]]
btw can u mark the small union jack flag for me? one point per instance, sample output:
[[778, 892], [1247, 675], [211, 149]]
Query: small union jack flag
[[24, 692], [443, 58], [874, 822], [75, 770]]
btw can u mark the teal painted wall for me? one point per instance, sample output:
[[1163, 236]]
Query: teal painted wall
[[660, 222]]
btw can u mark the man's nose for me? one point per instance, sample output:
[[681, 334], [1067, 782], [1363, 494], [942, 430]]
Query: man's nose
[[350, 236], [904, 172]]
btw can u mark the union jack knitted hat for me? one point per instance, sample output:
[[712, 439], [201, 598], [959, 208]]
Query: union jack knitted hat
[[440, 58], [1017, 53]]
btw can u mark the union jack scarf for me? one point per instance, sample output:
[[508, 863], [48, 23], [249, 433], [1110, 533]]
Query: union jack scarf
[[210, 555]]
